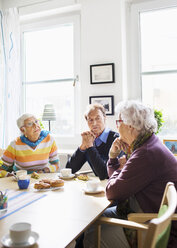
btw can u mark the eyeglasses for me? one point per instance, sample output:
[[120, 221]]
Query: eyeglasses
[[118, 122], [30, 124]]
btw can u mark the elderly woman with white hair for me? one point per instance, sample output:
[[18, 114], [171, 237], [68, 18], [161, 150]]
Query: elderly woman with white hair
[[138, 185], [34, 150]]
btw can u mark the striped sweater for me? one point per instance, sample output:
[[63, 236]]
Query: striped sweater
[[22, 156]]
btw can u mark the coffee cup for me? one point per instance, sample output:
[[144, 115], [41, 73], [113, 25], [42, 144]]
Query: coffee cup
[[20, 232], [66, 172], [21, 173], [23, 182], [92, 185]]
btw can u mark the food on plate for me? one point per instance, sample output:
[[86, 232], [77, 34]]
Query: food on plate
[[83, 177], [47, 183], [41, 185], [57, 183], [35, 175], [46, 180]]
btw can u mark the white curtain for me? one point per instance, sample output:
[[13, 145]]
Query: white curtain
[[10, 82]]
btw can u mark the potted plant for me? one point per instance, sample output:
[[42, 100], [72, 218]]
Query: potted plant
[[159, 118]]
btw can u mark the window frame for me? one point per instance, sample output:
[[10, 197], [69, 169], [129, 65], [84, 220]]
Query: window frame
[[133, 41], [54, 21]]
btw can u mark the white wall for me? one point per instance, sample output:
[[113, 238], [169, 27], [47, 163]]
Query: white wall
[[102, 41]]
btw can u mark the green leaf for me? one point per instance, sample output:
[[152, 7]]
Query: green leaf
[[159, 118]]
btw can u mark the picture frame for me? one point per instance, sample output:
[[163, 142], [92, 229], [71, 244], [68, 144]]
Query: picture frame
[[102, 73], [171, 145], [107, 101]]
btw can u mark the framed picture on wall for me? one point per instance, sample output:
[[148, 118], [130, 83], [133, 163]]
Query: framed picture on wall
[[102, 73], [106, 101], [171, 145]]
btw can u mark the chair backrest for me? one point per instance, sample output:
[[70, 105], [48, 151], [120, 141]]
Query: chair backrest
[[159, 228]]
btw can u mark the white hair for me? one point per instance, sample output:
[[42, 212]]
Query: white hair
[[137, 115], [22, 118]]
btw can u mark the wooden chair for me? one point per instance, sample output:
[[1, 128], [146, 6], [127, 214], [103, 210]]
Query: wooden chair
[[152, 229]]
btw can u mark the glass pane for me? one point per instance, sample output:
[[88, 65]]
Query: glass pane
[[49, 53], [159, 91], [61, 95], [158, 39]]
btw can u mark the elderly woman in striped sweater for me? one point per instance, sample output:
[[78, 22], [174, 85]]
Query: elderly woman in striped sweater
[[34, 150]]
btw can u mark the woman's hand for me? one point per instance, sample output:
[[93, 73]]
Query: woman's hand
[[117, 146], [122, 161], [10, 174], [46, 170]]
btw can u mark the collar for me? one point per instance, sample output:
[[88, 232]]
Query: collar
[[103, 137]]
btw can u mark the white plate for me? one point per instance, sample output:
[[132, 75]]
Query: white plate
[[66, 178], [6, 241], [49, 189], [99, 190]]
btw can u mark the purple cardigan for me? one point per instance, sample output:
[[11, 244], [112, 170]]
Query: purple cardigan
[[144, 175]]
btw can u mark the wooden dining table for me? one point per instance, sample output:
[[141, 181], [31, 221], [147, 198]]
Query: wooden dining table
[[61, 215]]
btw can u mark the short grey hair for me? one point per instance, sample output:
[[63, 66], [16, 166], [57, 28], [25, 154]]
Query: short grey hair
[[22, 118], [137, 115], [94, 106]]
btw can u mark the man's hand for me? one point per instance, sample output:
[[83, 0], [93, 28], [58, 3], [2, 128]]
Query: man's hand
[[87, 140]]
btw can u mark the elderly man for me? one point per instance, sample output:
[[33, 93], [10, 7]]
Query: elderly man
[[96, 143]]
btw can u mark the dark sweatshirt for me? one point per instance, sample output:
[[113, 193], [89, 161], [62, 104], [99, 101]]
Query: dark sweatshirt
[[97, 157], [145, 176]]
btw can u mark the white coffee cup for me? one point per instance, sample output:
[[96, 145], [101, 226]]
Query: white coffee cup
[[21, 173], [20, 232], [66, 172], [92, 185]]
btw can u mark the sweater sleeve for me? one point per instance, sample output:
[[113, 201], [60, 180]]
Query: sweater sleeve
[[136, 174], [76, 161], [53, 158], [9, 156]]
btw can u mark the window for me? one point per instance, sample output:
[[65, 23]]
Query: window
[[50, 66], [157, 39]]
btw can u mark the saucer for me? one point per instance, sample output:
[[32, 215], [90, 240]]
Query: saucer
[[14, 178], [98, 190], [66, 178], [3, 211], [7, 242]]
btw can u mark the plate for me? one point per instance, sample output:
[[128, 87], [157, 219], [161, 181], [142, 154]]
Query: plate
[[66, 178], [6, 241], [49, 189], [99, 190]]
